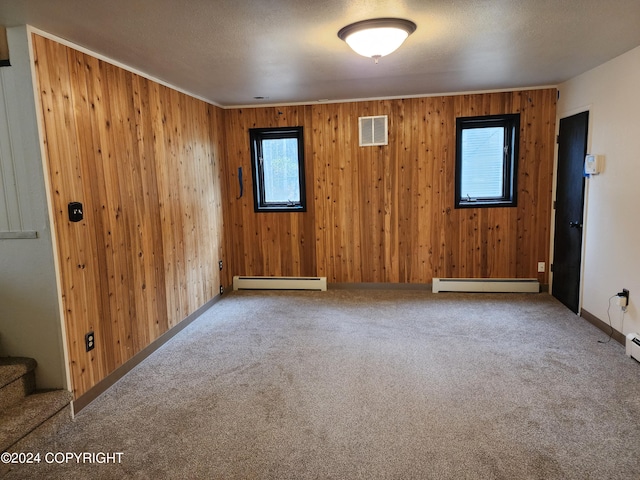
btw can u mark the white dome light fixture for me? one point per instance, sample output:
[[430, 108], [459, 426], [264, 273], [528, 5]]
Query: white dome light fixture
[[377, 37]]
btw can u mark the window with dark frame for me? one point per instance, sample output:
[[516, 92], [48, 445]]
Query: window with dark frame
[[487, 161], [277, 163]]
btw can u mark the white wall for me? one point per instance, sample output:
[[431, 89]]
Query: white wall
[[611, 261], [29, 310]]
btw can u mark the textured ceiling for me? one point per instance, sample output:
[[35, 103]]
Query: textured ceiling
[[229, 52]]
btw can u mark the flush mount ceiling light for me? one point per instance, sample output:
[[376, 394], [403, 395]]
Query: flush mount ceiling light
[[377, 37]]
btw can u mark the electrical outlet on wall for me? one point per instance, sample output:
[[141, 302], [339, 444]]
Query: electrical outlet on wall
[[541, 267], [623, 299], [90, 341]]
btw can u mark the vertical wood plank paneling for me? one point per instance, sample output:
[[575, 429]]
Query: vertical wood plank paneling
[[268, 243], [145, 161], [84, 95], [321, 194], [544, 149], [158, 174], [386, 214], [74, 256]]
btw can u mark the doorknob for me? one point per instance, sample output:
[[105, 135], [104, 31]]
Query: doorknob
[[575, 225]]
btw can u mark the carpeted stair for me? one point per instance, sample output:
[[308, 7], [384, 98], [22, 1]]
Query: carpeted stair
[[26, 414]]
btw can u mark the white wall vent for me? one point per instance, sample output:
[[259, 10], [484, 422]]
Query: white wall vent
[[373, 131]]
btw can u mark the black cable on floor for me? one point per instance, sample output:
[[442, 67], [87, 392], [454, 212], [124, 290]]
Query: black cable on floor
[[609, 317]]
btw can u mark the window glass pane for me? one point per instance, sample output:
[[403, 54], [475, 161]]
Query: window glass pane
[[482, 163], [280, 170]]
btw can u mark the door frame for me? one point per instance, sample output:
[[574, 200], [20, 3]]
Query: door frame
[[585, 209]]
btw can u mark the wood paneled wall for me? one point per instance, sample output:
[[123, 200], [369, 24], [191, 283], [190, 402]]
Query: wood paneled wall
[[145, 162], [386, 214], [279, 243], [157, 171]]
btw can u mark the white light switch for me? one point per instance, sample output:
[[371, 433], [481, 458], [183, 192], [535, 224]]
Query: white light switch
[[541, 267]]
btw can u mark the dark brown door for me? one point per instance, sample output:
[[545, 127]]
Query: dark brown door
[[567, 252]]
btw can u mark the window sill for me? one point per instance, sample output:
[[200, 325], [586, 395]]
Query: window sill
[[485, 204], [295, 209]]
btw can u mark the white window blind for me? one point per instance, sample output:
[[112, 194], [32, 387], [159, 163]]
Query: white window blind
[[281, 170], [482, 165]]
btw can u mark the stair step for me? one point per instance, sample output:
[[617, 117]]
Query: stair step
[[21, 419], [17, 380], [12, 368], [17, 391]]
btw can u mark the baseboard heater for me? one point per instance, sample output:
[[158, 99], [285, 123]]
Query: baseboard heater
[[633, 346], [496, 285], [280, 283]]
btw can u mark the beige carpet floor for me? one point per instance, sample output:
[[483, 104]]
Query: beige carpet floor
[[368, 384]]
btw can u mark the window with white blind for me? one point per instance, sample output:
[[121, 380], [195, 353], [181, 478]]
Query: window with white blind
[[486, 160]]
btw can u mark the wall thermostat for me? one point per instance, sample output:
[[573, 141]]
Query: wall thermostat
[[75, 212], [593, 164]]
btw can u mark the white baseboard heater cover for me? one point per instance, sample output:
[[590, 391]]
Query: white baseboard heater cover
[[633, 346], [496, 285], [280, 283]]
